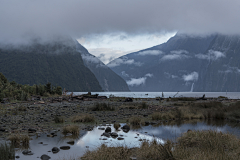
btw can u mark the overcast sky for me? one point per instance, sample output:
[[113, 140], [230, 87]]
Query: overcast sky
[[109, 19]]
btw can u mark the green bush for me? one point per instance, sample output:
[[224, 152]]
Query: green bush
[[15, 91]]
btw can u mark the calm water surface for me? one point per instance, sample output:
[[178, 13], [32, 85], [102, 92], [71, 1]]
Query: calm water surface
[[230, 95], [92, 139]]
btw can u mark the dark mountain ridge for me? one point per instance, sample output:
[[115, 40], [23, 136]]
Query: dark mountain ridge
[[184, 63], [57, 61]]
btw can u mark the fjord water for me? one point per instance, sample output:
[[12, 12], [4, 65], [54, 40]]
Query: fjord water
[[90, 140], [230, 95]]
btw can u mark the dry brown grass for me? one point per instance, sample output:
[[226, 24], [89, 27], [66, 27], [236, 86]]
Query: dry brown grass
[[73, 129], [108, 153], [136, 120], [19, 140], [7, 151], [58, 119], [205, 145], [116, 126], [102, 107], [193, 145], [83, 118], [202, 110]]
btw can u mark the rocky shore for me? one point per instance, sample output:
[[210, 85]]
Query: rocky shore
[[38, 115]]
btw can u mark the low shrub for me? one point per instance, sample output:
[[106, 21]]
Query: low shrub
[[102, 107], [58, 119], [83, 118], [157, 116], [19, 140], [116, 126], [108, 153], [135, 120], [73, 129], [143, 105]]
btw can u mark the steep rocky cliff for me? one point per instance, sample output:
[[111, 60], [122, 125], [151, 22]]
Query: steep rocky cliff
[[40, 62], [184, 63], [108, 79]]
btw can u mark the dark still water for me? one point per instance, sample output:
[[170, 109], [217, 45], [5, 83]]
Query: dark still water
[[230, 95], [92, 139]]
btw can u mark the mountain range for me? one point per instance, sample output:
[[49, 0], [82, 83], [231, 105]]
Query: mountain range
[[207, 63], [62, 62]]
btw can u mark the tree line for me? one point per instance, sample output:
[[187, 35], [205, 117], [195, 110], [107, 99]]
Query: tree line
[[15, 91]]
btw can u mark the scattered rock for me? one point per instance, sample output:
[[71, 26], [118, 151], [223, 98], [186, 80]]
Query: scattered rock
[[145, 115], [65, 147], [108, 129], [106, 134], [71, 142], [120, 138], [27, 152], [101, 128], [45, 157], [114, 134], [128, 100], [125, 128], [31, 130], [2, 130], [55, 150]]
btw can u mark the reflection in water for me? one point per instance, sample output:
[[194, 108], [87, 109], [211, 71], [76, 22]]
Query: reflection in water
[[92, 139]]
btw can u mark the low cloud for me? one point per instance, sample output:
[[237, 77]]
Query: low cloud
[[106, 55], [149, 75], [179, 52], [168, 75], [123, 60], [139, 81], [136, 81], [211, 55], [190, 77], [90, 58], [230, 70], [150, 52], [176, 55], [124, 74]]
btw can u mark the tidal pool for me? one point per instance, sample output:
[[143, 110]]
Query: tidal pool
[[90, 140]]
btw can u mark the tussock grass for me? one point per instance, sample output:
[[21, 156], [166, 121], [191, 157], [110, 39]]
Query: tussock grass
[[203, 110], [116, 126], [207, 145], [193, 145], [19, 139], [83, 118], [58, 119], [108, 153], [7, 152], [136, 121], [73, 129], [143, 105], [233, 111], [102, 107]]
